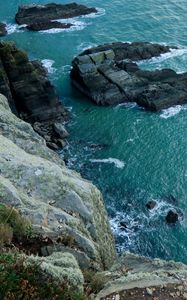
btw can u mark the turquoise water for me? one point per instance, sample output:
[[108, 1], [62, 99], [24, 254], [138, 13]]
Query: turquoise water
[[151, 147]]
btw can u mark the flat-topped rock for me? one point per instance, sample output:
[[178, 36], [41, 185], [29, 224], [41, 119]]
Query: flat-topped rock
[[108, 75], [35, 15], [3, 30]]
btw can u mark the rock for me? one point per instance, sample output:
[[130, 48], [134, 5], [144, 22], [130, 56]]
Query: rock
[[32, 176], [41, 17], [108, 75], [184, 295], [3, 30], [172, 217], [61, 267], [30, 94], [48, 25], [149, 291], [151, 204], [60, 130], [123, 225]]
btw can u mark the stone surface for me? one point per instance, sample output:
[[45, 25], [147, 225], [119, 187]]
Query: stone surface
[[41, 17], [108, 75], [132, 271], [3, 30], [58, 202], [38, 26], [172, 217], [61, 267], [151, 204], [28, 90]]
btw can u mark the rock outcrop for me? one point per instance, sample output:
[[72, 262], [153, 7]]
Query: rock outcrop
[[58, 202], [41, 17], [30, 93], [133, 271], [3, 30], [108, 75]]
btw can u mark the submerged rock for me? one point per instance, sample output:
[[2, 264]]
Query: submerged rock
[[151, 204], [172, 217], [3, 30], [108, 75], [28, 90], [42, 17]]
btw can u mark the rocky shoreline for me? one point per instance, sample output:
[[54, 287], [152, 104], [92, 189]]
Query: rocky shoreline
[[44, 17], [109, 75]]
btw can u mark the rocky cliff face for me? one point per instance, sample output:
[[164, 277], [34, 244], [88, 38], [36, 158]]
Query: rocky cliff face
[[30, 94], [59, 203]]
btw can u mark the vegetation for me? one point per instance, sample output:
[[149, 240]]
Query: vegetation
[[21, 281], [12, 224], [94, 281]]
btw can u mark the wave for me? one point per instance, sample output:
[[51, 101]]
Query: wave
[[48, 64], [118, 163], [77, 25], [126, 105], [100, 12], [171, 111], [165, 56]]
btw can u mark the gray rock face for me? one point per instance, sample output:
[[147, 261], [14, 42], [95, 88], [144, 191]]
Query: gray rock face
[[108, 75], [40, 17], [58, 202], [3, 30], [29, 92]]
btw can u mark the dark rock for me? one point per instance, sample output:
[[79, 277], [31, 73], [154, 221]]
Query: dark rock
[[172, 217], [48, 25], [108, 75], [123, 225], [3, 30], [39, 17], [28, 90], [98, 146], [151, 204], [60, 130]]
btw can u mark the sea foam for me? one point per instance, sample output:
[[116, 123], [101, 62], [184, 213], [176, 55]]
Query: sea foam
[[171, 111], [118, 163], [48, 64]]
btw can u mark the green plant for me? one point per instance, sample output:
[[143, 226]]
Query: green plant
[[19, 280], [6, 234], [11, 220], [95, 281]]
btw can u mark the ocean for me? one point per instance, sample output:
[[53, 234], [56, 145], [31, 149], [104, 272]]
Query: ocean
[[141, 155]]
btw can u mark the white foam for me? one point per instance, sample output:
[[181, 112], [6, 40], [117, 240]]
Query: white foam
[[126, 105], [165, 56], [171, 111], [84, 46], [11, 28], [48, 64], [100, 12], [77, 25], [118, 163]]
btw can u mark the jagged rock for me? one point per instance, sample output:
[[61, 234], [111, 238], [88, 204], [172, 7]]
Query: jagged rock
[[3, 30], [151, 204], [60, 130], [108, 75], [28, 90], [172, 217], [48, 25], [40, 17], [32, 176]]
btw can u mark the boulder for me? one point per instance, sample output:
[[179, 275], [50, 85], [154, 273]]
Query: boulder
[[108, 75], [60, 130], [151, 204], [41, 17], [172, 217], [3, 30]]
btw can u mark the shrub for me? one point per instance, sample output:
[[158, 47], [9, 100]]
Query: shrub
[[95, 281], [6, 234], [22, 281], [12, 223]]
